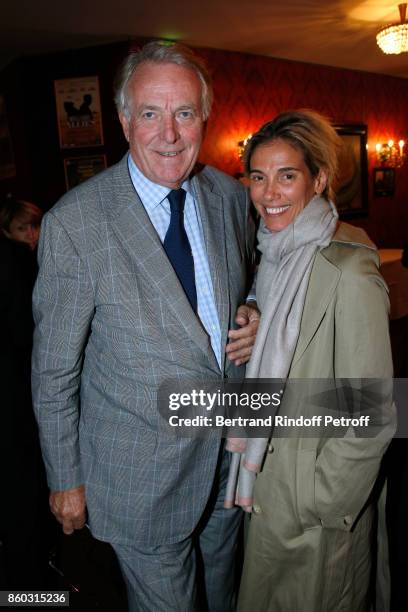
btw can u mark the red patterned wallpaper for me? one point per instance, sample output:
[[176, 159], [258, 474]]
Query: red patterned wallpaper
[[250, 90]]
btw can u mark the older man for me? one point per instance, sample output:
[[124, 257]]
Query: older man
[[141, 271]]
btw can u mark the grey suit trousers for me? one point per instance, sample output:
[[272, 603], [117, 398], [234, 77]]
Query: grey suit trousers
[[195, 574]]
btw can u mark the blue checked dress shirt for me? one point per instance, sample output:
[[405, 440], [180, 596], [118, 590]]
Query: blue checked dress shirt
[[154, 199]]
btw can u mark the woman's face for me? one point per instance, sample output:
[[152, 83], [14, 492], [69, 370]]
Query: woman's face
[[281, 184], [24, 229]]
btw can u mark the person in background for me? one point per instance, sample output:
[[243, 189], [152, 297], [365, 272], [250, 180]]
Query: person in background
[[142, 270], [24, 513], [20, 221], [324, 315]]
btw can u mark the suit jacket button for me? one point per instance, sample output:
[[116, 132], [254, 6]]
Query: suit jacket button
[[348, 520], [256, 509], [270, 448]]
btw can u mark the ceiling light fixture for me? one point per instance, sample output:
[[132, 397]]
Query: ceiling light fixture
[[393, 38]]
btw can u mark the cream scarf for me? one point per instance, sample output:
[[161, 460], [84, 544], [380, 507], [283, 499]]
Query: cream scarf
[[282, 281]]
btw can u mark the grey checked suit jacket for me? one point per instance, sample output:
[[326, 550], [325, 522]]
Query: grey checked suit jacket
[[112, 323]]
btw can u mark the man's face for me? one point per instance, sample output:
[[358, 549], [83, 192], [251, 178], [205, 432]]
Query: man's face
[[165, 128]]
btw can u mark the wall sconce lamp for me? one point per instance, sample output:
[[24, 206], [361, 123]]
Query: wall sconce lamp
[[390, 154], [242, 144]]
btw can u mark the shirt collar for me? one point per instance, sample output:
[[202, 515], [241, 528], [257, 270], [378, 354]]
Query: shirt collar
[[150, 193]]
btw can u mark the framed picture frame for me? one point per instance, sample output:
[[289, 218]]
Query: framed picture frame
[[79, 112], [351, 184], [384, 182], [79, 169]]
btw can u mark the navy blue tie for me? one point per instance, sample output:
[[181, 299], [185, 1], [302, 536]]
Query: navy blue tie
[[178, 248]]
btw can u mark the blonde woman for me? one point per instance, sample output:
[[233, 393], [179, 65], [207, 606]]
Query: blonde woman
[[324, 315]]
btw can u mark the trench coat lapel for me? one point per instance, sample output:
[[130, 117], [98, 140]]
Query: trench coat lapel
[[322, 285], [136, 233]]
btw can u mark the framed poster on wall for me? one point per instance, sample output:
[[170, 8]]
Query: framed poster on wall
[[79, 169], [79, 112], [351, 184], [384, 182]]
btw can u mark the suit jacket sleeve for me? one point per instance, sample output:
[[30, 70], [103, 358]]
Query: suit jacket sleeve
[[346, 468], [63, 307]]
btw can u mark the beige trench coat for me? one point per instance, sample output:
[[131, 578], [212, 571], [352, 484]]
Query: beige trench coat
[[308, 547]]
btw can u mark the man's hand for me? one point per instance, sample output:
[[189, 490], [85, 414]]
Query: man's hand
[[69, 508], [242, 340]]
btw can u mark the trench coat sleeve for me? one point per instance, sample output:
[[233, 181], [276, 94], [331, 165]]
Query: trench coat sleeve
[[63, 306], [346, 468]]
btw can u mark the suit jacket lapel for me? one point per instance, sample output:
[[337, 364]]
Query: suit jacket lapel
[[210, 205], [132, 225], [322, 285]]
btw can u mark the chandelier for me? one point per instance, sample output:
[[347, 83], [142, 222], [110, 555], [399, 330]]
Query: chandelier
[[393, 38]]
